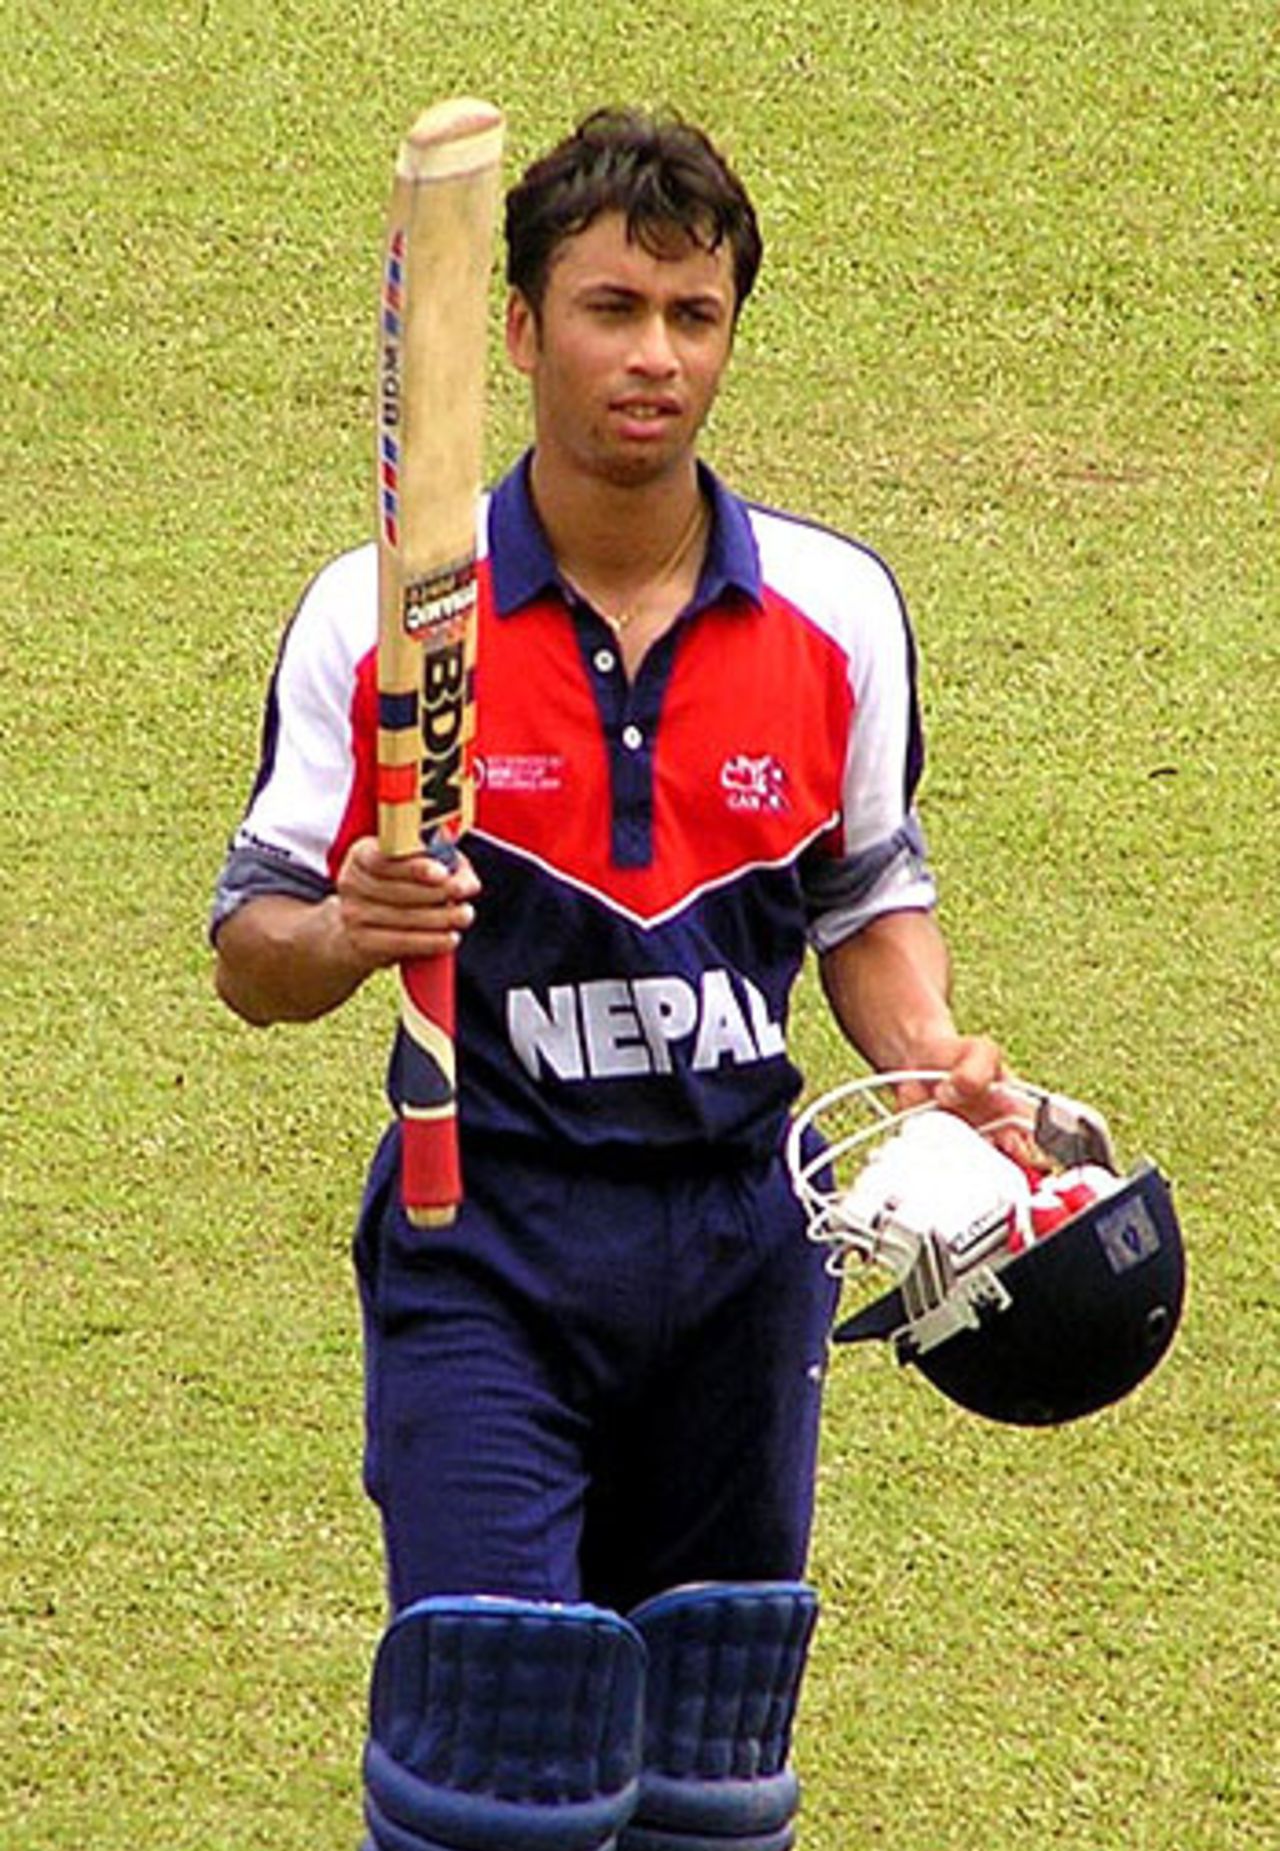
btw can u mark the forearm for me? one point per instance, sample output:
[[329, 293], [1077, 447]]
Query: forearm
[[285, 959], [281, 959], [889, 989]]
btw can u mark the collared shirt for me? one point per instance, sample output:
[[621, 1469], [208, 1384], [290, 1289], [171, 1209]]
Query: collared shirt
[[655, 852], [523, 565]]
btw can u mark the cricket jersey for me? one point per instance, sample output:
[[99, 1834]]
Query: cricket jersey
[[655, 853]]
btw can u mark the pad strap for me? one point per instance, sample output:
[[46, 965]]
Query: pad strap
[[503, 1725], [725, 1666]]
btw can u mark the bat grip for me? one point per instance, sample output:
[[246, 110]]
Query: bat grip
[[430, 1169], [430, 1166]]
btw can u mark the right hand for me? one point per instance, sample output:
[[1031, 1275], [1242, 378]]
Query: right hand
[[410, 906]]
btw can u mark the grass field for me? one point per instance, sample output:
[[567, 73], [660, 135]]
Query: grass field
[[1017, 329]]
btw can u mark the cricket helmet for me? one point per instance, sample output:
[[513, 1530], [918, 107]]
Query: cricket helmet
[[1032, 1290]]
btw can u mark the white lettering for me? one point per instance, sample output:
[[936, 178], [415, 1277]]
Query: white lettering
[[723, 1029], [668, 1011], [537, 1036], [611, 1029], [770, 1039], [612, 1032]]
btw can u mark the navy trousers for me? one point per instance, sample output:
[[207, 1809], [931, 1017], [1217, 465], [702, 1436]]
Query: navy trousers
[[591, 1387]]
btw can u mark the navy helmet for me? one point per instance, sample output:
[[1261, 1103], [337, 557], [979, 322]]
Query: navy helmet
[[1032, 1292]]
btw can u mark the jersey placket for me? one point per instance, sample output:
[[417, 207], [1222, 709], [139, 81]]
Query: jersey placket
[[629, 713]]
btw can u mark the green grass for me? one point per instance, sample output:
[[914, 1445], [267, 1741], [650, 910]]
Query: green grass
[[1017, 329]]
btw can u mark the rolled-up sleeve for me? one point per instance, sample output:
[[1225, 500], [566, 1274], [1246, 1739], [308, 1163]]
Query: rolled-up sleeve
[[843, 893], [249, 872]]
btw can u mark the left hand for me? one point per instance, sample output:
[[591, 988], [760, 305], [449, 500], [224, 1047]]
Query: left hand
[[974, 1067]]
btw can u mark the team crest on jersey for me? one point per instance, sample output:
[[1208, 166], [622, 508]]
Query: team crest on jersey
[[755, 783]]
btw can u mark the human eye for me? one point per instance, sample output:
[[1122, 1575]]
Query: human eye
[[699, 315], [610, 305]]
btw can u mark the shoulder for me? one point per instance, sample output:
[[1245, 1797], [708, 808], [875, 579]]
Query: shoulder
[[818, 567], [342, 597], [840, 586], [333, 628]]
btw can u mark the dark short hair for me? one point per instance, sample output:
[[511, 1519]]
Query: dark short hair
[[663, 174]]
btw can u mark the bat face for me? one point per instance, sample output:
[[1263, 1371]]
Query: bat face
[[432, 340], [432, 336]]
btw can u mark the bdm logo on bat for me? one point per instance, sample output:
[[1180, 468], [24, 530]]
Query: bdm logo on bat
[[442, 711], [443, 602]]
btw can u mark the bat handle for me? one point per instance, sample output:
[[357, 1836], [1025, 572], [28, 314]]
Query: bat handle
[[430, 1164], [430, 1169]]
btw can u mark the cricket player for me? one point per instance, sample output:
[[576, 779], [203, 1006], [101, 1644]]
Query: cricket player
[[593, 1401]]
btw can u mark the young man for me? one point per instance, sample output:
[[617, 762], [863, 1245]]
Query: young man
[[697, 754]]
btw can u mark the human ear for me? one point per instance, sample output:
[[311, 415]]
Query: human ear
[[521, 332]]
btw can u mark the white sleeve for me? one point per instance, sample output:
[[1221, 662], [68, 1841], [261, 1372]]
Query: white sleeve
[[880, 865], [307, 769]]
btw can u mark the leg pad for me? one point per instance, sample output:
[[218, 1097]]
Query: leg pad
[[503, 1725], [725, 1666]]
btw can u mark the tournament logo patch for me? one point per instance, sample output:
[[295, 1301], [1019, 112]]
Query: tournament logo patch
[[521, 774], [755, 783]]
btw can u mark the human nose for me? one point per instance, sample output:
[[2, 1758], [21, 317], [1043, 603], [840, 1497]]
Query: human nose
[[653, 352]]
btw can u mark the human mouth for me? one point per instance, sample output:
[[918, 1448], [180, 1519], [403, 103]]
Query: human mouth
[[645, 417]]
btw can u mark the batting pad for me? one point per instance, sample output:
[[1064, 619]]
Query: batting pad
[[503, 1725], [725, 1665]]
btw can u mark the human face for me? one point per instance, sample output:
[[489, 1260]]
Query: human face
[[625, 353]]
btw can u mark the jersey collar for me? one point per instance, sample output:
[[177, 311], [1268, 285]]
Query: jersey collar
[[523, 568]]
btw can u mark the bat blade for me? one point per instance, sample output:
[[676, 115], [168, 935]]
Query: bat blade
[[432, 339]]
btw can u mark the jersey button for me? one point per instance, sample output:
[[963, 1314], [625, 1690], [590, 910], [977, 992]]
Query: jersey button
[[604, 660], [632, 738]]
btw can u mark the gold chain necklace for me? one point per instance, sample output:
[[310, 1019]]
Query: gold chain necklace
[[690, 534]]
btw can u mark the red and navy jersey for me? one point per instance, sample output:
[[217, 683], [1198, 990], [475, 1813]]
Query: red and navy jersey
[[656, 853]]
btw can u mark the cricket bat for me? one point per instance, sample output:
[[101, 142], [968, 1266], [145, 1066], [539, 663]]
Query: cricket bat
[[432, 339]]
